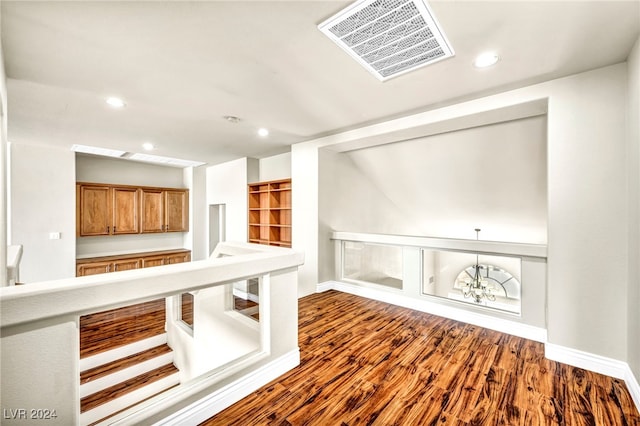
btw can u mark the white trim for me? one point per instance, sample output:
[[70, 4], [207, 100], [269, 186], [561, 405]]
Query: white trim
[[596, 363], [119, 376], [122, 352], [129, 399], [633, 386], [217, 401], [588, 361], [499, 324], [452, 244]]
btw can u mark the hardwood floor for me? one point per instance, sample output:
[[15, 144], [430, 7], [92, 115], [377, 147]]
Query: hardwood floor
[[365, 362], [109, 329]]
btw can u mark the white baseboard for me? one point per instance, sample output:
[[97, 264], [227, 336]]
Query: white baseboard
[[498, 324], [228, 395], [596, 363], [633, 386]]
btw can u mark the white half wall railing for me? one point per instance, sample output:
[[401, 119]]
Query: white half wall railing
[[39, 344], [400, 269]]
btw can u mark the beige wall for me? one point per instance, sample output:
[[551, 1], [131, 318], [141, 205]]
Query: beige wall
[[587, 201], [3, 170], [42, 200], [492, 177], [633, 115], [275, 167]]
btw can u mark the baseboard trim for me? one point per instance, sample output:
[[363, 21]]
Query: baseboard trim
[[596, 363], [498, 324], [633, 386], [228, 395]]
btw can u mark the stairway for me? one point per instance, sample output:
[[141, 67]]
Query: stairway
[[125, 360]]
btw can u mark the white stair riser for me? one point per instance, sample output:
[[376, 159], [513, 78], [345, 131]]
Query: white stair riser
[[129, 399], [122, 352], [125, 374]]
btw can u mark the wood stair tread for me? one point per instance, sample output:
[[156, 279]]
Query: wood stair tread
[[120, 364], [94, 400], [126, 408], [103, 331]]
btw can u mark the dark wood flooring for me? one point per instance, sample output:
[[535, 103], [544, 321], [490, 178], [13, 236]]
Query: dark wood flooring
[[365, 362]]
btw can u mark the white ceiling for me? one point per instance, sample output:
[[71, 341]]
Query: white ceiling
[[181, 66]]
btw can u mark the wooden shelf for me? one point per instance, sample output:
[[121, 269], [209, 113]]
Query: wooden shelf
[[270, 213]]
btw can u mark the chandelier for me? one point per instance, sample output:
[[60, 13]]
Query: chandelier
[[477, 287]]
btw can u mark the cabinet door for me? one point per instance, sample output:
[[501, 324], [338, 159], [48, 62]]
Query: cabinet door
[[178, 258], [93, 268], [152, 210], [95, 210], [150, 261], [177, 211], [126, 211], [126, 264]]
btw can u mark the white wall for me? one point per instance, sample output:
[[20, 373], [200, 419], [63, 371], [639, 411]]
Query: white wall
[[275, 167], [227, 184], [196, 238], [113, 171], [633, 115], [91, 168], [492, 177], [42, 200], [3, 171], [587, 204], [348, 201]]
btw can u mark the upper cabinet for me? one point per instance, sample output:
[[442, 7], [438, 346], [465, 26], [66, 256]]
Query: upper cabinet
[[165, 210], [104, 209]]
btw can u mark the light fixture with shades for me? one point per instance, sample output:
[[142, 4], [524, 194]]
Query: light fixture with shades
[[477, 286]]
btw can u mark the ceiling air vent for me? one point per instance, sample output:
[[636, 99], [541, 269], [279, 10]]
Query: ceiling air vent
[[389, 37]]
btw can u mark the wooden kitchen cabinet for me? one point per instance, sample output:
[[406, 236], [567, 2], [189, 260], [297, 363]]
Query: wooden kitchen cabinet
[[165, 210], [176, 210], [152, 210], [95, 212], [104, 209], [126, 211], [123, 262]]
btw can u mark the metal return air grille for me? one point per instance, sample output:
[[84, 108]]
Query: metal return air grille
[[389, 37]]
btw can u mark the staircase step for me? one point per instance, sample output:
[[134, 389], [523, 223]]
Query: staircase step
[[122, 388], [122, 352], [113, 399], [103, 331], [101, 377]]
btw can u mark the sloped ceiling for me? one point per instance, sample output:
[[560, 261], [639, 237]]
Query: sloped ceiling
[[182, 65], [491, 177]]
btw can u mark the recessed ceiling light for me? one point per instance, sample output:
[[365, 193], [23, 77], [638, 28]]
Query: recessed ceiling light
[[115, 102], [263, 132], [148, 146], [486, 59]]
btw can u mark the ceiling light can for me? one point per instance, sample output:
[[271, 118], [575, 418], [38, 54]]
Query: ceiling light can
[[262, 132], [486, 59], [115, 102]]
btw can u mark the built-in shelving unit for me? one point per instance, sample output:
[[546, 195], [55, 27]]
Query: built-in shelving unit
[[270, 213]]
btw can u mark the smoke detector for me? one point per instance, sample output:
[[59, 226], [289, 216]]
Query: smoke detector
[[389, 37]]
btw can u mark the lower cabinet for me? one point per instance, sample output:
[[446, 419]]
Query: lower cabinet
[[124, 262]]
